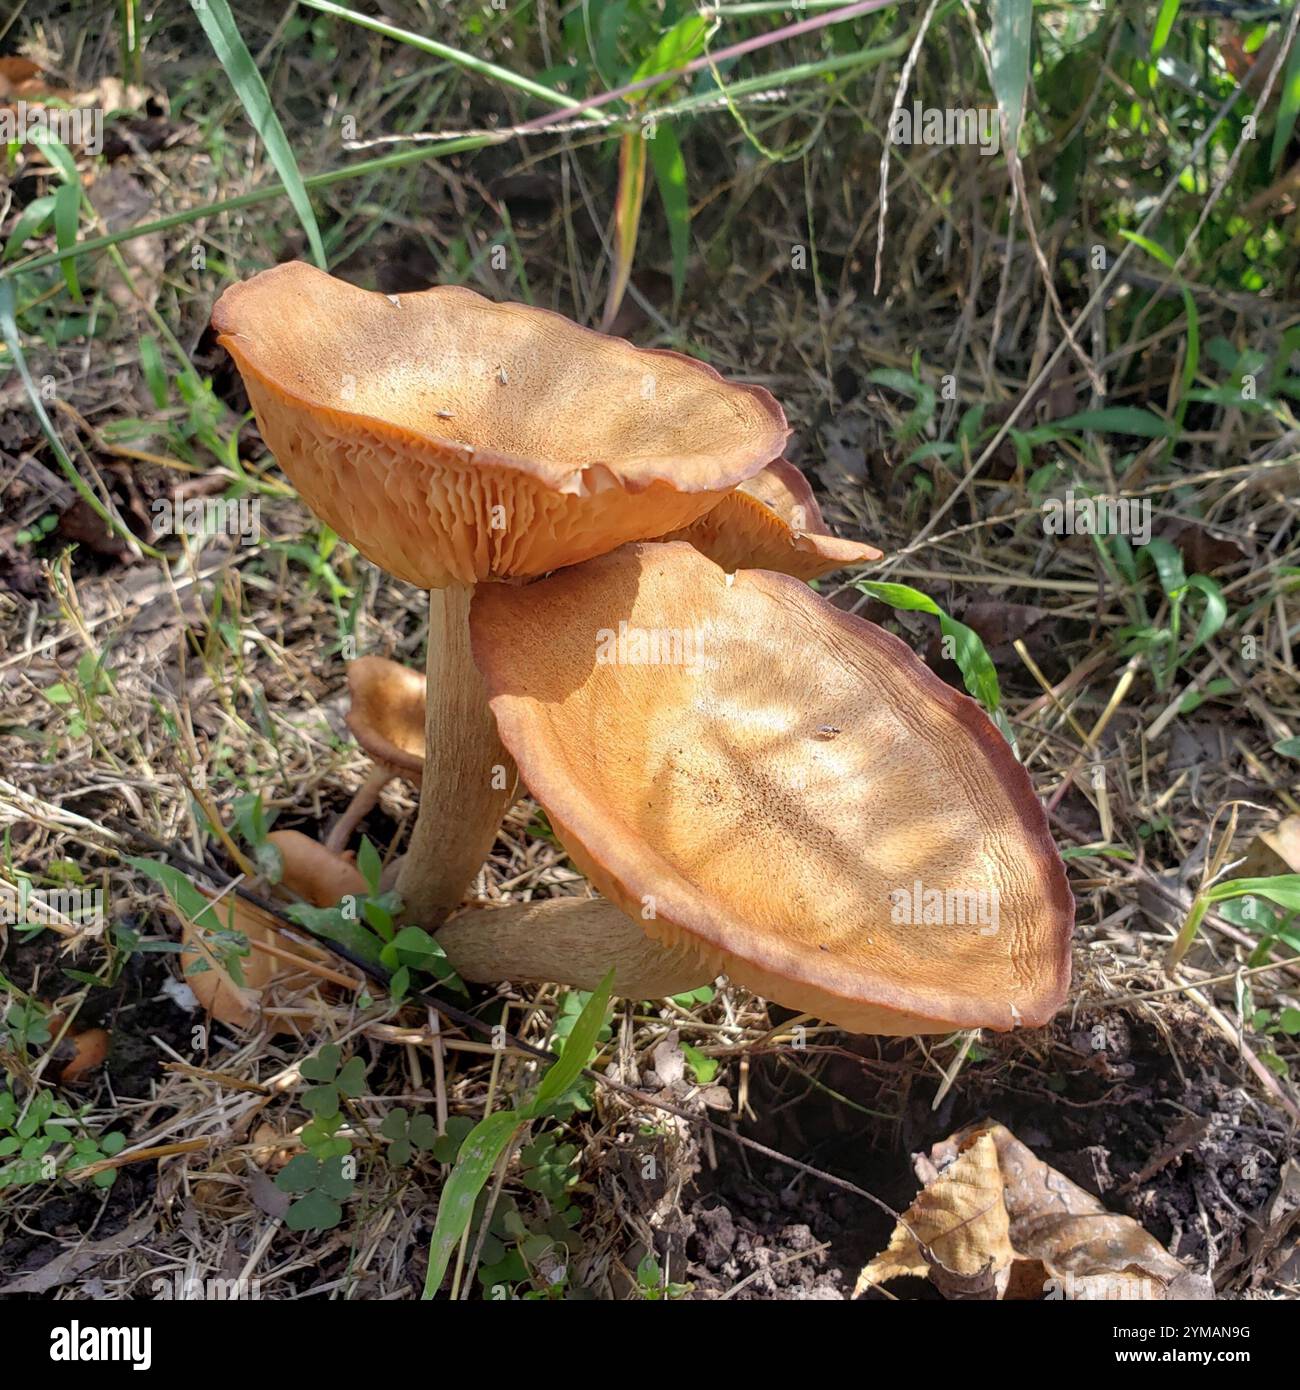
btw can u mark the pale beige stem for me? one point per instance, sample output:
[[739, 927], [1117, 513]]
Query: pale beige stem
[[568, 941], [359, 807], [469, 778]]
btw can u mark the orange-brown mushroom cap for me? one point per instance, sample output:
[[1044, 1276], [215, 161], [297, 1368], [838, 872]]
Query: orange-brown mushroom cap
[[386, 713], [738, 764], [451, 439], [314, 872], [772, 522]]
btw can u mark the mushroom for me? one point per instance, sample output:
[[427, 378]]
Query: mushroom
[[782, 787], [773, 522], [386, 716], [308, 870], [575, 941], [572, 940], [90, 1052], [453, 440], [312, 871]]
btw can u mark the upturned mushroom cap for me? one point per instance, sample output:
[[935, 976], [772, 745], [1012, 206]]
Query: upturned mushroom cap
[[773, 522], [782, 785], [386, 713], [451, 439]]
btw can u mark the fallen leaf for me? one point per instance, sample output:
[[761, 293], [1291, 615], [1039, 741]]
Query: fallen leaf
[[995, 1221], [1271, 852], [1202, 550], [67, 1266]]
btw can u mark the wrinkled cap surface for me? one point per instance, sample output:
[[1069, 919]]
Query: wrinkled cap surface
[[451, 439], [735, 762], [386, 712], [772, 522]]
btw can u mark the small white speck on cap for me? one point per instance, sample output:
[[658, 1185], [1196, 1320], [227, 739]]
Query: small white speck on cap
[[731, 579]]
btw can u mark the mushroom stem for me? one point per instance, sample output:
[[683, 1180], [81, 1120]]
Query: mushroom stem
[[469, 779], [569, 941], [362, 803]]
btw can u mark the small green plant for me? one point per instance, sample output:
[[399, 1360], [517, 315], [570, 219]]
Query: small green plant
[[654, 1288], [82, 697], [527, 1252], [495, 1134], [26, 1025], [28, 1140], [1164, 645], [1282, 890], [322, 1179], [703, 1068], [321, 1186], [407, 1133], [366, 925], [334, 1079], [1272, 1024], [38, 530]]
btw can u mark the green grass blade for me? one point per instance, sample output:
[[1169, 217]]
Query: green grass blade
[[578, 1048], [1013, 28], [978, 673], [1164, 25], [670, 177], [444, 51], [483, 1147], [627, 221], [9, 332], [219, 25], [1288, 108], [1283, 889], [67, 207], [1113, 419], [30, 221]]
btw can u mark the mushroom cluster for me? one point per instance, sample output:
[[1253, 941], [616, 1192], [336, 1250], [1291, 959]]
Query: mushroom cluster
[[615, 549]]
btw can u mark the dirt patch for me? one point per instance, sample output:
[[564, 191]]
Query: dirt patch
[[1165, 1132]]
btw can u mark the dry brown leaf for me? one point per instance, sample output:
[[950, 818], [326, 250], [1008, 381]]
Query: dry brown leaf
[[77, 1259], [994, 1220], [1271, 852], [956, 1229]]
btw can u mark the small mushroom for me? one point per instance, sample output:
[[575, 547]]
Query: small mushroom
[[314, 872], [452, 441], [386, 716], [80, 1050], [90, 1051], [772, 522], [311, 872], [684, 767]]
